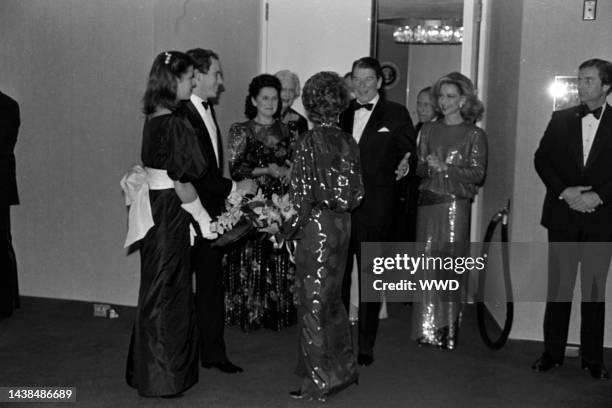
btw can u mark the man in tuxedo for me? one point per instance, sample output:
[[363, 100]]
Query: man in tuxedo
[[9, 126], [212, 189], [573, 161], [385, 135]]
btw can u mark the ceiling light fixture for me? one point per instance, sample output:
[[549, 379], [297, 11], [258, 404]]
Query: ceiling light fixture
[[430, 32]]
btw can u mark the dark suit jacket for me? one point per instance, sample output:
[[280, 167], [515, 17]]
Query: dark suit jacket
[[381, 152], [9, 126], [559, 162], [212, 188]]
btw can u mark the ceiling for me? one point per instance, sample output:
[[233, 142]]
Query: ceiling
[[394, 11]]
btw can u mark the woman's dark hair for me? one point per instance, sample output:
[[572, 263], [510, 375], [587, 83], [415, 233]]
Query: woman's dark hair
[[167, 68], [472, 109], [256, 85], [324, 96]]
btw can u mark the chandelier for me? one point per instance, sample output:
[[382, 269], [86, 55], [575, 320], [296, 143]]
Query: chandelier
[[430, 32]]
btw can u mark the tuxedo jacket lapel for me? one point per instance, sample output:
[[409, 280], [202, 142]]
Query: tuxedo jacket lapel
[[605, 125], [219, 141], [204, 135], [348, 117], [574, 131]]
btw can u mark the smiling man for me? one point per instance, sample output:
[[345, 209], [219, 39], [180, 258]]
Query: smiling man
[[573, 161], [385, 135]]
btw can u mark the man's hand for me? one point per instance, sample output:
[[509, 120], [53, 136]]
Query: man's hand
[[589, 201], [247, 186], [580, 198], [403, 167], [572, 195]]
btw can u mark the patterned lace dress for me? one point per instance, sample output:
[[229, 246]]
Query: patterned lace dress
[[258, 273]]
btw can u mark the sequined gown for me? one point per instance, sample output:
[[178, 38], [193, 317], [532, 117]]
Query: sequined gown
[[258, 275], [163, 355], [325, 186], [443, 220]]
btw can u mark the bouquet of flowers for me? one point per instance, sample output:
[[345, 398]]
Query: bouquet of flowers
[[247, 212]]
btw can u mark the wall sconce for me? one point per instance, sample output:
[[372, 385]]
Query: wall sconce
[[430, 32]]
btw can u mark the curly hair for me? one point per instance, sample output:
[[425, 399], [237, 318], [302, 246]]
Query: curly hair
[[324, 96], [472, 109], [256, 85], [167, 68]]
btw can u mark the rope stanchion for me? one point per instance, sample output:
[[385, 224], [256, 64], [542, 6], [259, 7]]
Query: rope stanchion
[[481, 309]]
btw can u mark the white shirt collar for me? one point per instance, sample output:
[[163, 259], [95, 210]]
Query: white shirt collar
[[197, 100]]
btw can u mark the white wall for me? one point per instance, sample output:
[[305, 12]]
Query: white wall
[[316, 35], [78, 69]]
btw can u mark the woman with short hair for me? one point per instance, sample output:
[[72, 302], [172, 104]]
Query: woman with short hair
[[325, 186]]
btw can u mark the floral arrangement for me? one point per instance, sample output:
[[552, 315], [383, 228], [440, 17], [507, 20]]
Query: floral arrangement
[[245, 212]]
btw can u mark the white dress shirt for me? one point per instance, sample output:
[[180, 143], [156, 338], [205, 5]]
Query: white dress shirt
[[589, 129], [361, 118], [206, 115]]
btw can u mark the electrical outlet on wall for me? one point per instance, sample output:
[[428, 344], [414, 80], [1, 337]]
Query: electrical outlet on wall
[[101, 310], [589, 10]]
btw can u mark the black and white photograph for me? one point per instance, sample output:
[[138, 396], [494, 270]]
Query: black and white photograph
[[290, 203]]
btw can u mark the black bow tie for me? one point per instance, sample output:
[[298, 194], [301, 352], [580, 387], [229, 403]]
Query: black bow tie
[[367, 106], [205, 104], [594, 112]]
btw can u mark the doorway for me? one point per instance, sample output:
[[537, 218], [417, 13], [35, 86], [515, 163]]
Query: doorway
[[420, 64]]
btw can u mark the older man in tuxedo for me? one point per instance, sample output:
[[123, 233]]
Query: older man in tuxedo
[[9, 126], [212, 189], [573, 161], [385, 135]]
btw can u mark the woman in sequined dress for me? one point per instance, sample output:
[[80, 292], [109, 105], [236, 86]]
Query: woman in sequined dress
[[452, 163], [258, 272], [325, 186]]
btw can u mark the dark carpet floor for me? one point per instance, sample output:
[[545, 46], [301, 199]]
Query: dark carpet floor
[[59, 343]]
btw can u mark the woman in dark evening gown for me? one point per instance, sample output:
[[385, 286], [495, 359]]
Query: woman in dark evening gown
[[325, 186], [258, 272], [452, 161], [163, 355]]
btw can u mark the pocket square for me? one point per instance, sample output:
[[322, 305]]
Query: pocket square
[[383, 129]]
